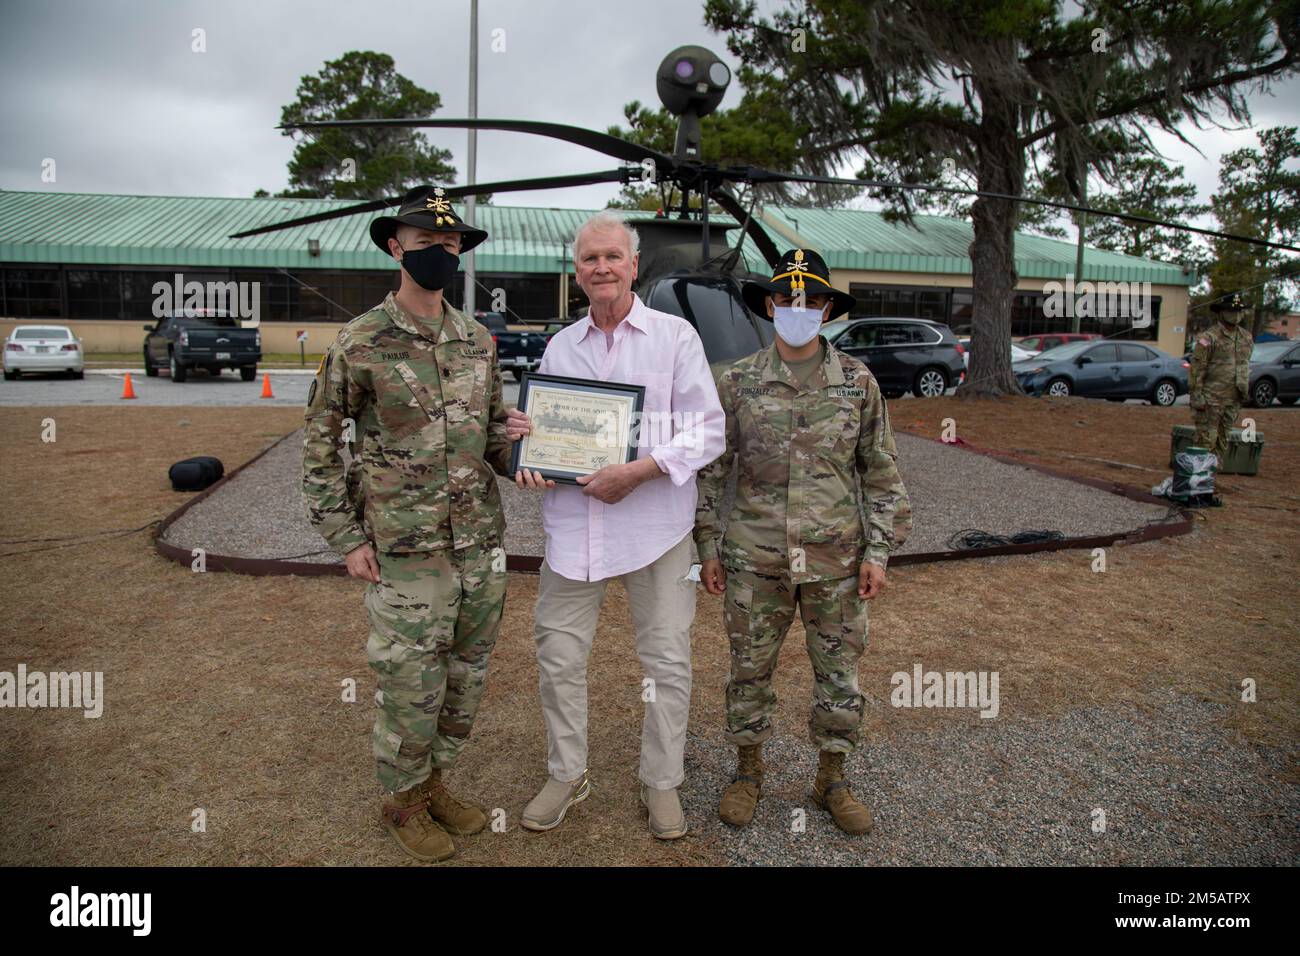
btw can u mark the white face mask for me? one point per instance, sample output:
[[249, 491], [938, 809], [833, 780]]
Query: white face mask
[[797, 326]]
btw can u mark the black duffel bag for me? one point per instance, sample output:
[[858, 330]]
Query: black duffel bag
[[195, 474]]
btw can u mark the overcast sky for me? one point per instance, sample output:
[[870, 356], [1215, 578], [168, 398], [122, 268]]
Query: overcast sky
[[111, 90]]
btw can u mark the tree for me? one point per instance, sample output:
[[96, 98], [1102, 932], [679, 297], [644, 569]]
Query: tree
[[362, 163], [1259, 196], [1003, 87], [1147, 186]]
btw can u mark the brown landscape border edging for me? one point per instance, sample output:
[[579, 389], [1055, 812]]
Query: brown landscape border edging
[[531, 564], [1148, 532]]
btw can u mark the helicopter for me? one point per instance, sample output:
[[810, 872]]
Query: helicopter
[[678, 271]]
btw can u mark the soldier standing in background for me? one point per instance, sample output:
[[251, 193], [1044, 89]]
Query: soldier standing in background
[[810, 432], [1219, 377], [416, 385]]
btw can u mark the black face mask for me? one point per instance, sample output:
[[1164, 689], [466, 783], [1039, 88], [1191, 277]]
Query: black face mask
[[432, 267]]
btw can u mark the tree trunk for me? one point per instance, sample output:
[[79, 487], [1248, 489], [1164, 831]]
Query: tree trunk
[[1000, 168]]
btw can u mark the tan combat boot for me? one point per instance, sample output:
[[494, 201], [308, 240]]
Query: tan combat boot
[[831, 792], [741, 796], [456, 816], [406, 817]]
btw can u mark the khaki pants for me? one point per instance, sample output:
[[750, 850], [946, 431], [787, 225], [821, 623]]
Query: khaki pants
[[663, 606]]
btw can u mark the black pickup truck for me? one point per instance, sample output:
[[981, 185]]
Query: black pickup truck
[[518, 350], [206, 339]]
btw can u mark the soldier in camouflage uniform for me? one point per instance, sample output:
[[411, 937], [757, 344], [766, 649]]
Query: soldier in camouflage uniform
[[414, 386], [809, 432], [1219, 378]]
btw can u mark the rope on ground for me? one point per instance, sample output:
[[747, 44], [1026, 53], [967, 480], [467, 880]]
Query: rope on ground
[[72, 540]]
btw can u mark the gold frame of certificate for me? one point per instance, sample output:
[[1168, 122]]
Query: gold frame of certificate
[[578, 426]]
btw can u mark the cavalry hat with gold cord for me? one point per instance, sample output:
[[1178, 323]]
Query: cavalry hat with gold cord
[[1228, 302], [798, 269], [425, 208]]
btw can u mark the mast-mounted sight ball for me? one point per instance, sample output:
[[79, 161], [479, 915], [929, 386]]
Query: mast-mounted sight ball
[[692, 78]]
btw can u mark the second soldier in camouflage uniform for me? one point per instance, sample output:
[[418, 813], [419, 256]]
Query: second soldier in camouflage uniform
[[809, 433], [1219, 377], [414, 385]]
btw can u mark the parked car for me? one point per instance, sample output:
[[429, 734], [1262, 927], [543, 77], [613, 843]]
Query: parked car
[[1111, 370], [1274, 373], [1050, 340], [1017, 353], [201, 338], [43, 348], [917, 355], [518, 350]]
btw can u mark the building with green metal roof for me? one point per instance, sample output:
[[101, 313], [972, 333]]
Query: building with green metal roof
[[93, 259]]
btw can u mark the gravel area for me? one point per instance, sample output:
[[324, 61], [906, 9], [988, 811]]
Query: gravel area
[[260, 513], [257, 514], [1176, 786]]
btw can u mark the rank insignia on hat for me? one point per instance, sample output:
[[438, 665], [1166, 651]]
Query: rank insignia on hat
[[425, 207], [795, 269]]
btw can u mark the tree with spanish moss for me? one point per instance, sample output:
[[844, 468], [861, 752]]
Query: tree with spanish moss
[[1009, 91]]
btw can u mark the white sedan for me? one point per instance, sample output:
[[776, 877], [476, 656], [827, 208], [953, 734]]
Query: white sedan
[[1017, 353], [43, 348]]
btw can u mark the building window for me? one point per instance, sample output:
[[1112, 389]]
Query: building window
[[32, 293], [900, 302]]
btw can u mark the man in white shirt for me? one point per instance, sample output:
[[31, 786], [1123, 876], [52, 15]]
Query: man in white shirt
[[632, 521]]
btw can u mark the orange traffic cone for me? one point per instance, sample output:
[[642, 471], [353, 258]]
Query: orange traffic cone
[[266, 386], [127, 390]]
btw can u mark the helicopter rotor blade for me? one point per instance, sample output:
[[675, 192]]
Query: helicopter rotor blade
[[755, 174], [600, 142], [373, 206], [624, 174], [731, 205]]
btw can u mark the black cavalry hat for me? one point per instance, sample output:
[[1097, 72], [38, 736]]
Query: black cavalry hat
[[798, 269], [425, 208], [1229, 302]]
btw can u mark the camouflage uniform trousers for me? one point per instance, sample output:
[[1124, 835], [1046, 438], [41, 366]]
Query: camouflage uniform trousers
[[434, 618], [758, 612], [1214, 421]]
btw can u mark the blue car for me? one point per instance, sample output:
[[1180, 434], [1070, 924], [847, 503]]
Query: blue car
[[1100, 369]]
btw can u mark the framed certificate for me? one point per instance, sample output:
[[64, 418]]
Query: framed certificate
[[578, 426]]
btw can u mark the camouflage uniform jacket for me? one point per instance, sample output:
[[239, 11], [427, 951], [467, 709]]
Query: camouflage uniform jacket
[[429, 430], [806, 453], [1220, 361]]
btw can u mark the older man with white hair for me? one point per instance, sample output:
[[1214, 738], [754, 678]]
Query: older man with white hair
[[631, 521]]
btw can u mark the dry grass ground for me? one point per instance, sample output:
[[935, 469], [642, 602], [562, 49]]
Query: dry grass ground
[[223, 691]]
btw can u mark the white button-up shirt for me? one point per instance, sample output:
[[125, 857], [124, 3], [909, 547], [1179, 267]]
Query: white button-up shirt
[[588, 540]]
